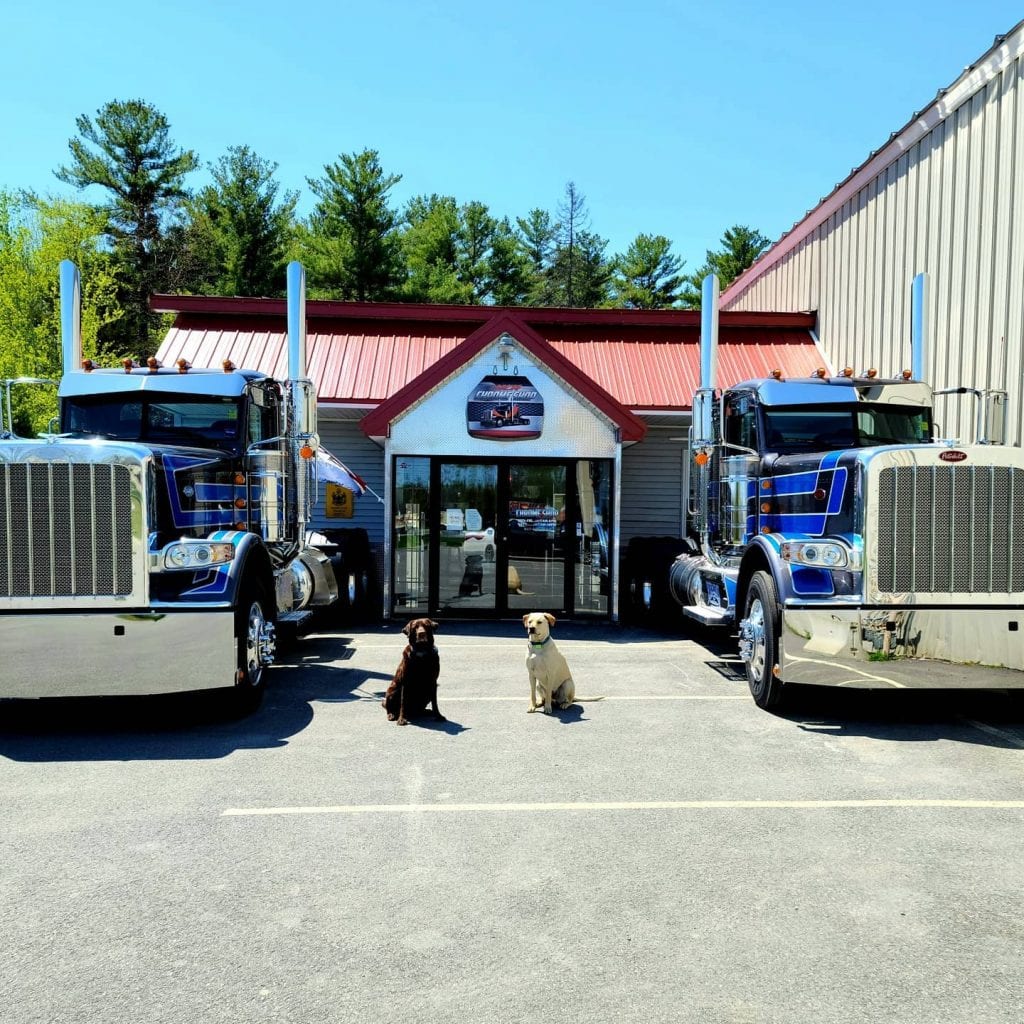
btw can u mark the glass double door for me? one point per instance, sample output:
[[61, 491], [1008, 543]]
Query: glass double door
[[501, 537]]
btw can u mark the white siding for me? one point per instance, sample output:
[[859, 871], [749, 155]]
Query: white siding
[[945, 196]]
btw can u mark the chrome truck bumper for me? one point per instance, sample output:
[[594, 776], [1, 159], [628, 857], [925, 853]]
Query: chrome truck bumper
[[894, 648], [115, 654]]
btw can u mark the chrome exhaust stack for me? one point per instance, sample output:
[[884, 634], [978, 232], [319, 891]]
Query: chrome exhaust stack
[[919, 328], [702, 430], [302, 433], [70, 316], [703, 420]]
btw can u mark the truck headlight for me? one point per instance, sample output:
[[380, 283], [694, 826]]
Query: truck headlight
[[197, 554], [825, 554]]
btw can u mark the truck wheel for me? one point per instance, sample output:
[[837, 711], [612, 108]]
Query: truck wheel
[[760, 630], [255, 642]]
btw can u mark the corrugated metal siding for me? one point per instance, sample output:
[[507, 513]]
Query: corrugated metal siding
[[653, 478], [952, 205]]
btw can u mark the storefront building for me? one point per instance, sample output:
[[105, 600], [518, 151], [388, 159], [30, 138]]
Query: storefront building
[[510, 453]]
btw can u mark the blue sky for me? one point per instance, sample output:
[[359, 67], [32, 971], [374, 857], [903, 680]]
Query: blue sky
[[675, 118]]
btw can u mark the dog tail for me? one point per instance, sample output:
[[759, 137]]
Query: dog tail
[[586, 700]]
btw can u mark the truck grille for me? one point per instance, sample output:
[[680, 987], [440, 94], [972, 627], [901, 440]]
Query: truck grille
[[66, 529], [950, 530]]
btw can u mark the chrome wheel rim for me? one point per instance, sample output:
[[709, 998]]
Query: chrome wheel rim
[[758, 648], [255, 641]]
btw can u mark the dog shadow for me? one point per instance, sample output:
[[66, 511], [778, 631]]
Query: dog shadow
[[569, 716], [433, 725]]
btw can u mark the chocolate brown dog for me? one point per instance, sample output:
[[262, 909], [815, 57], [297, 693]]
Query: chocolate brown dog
[[414, 686]]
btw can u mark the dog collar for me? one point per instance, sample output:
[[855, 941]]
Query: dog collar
[[540, 643]]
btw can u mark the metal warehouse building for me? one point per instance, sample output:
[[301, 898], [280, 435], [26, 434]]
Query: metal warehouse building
[[945, 195]]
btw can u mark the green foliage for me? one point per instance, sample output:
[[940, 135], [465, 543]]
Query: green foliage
[[460, 254], [352, 247], [568, 259], [740, 247], [236, 235], [647, 275], [35, 235], [129, 153], [430, 244], [509, 274]]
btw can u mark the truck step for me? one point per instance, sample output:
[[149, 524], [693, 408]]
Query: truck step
[[708, 616], [296, 617]]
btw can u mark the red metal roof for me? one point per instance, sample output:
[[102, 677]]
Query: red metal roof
[[366, 353]]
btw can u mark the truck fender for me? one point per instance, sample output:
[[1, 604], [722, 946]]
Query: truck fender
[[251, 560], [761, 554]]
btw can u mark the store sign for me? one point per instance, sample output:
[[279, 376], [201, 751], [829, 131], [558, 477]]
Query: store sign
[[505, 408]]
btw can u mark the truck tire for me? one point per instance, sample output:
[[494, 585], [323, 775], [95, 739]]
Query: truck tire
[[254, 639], [761, 615]]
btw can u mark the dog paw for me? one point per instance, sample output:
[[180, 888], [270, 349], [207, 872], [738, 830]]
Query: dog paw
[[391, 717], [403, 721], [531, 709]]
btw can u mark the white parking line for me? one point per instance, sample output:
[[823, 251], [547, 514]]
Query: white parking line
[[453, 699], [625, 805]]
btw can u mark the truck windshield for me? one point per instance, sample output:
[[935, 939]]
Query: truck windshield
[[158, 419], [818, 429]]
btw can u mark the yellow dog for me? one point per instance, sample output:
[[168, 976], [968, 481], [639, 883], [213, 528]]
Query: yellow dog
[[550, 678]]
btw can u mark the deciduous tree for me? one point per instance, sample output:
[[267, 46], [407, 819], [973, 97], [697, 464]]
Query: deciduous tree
[[35, 235]]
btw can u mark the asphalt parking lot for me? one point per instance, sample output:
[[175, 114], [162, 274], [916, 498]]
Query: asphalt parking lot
[[668, 853]]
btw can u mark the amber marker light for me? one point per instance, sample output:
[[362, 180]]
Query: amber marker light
[[907, 375], [239, 502], [239, 478], [871, 374], [240, 526], [306, 452], [847, 371], [88, 365], [153, 363], [183, 366], [820, 372], [701, 458], [228, 366], [765, 506], [766, 485], [777, 374], [766, 529], [128, 364], [819, 494]]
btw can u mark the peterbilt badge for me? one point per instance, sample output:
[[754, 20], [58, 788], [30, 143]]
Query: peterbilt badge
[[953, 455]]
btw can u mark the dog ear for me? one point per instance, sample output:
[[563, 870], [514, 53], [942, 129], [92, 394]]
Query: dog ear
[[526, 618], [433, 624], [550, 618], [407, 629]]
